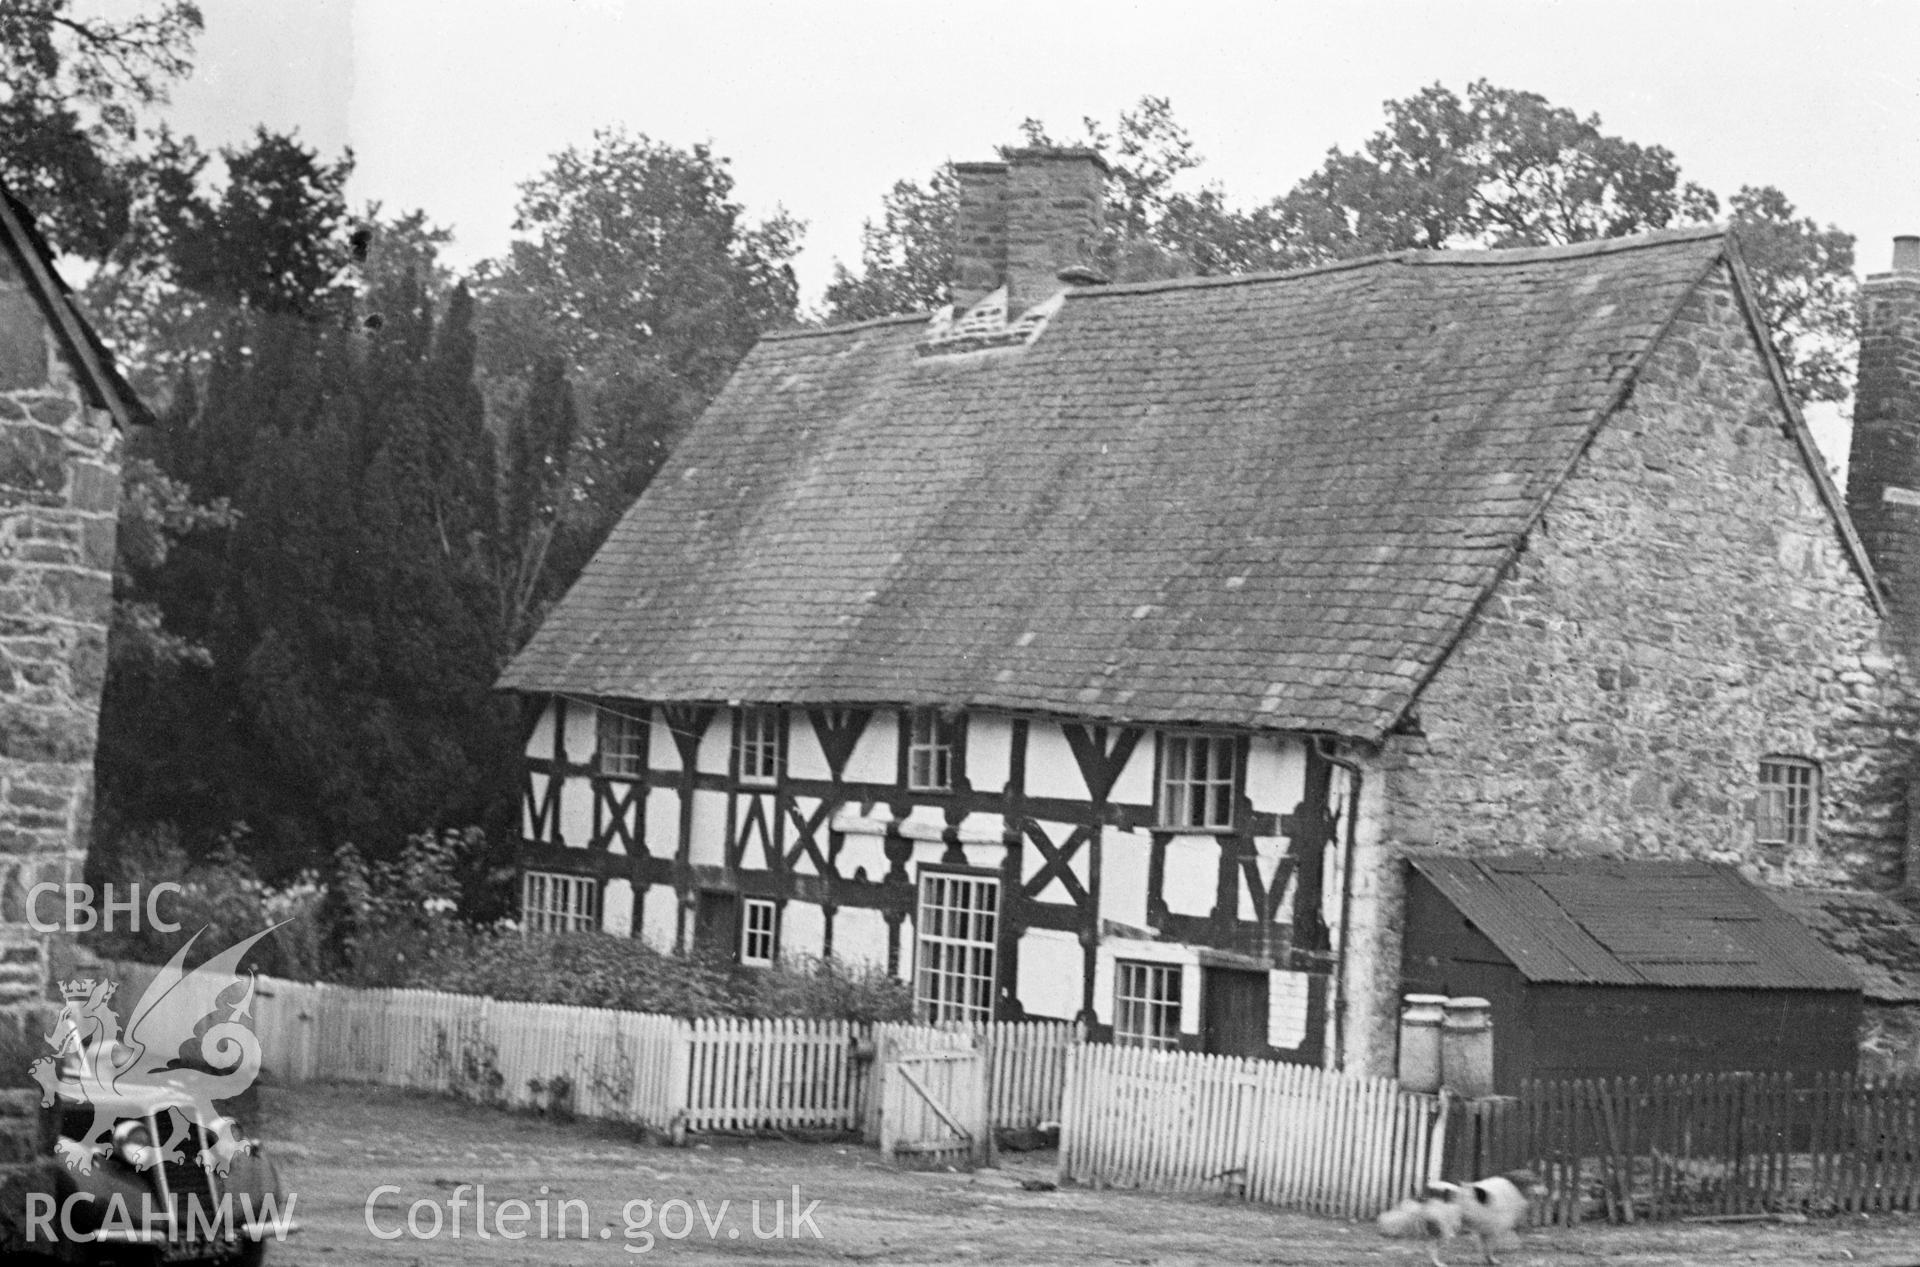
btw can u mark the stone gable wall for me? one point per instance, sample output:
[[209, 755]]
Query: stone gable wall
[[1685, 607], [59, 496]]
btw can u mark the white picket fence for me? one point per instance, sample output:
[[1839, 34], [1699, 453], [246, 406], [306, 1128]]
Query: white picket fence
[[720, 1074], [1277, 1133]]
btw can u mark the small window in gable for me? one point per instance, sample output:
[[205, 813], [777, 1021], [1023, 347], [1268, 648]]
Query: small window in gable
[[758, 741], [1786, 810], [1199, 781], [932, 750], [759, 932], [621, 741]]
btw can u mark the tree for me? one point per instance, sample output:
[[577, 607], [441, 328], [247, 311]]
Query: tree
[[643, 282], [1156, 227], [73, 84], [1506, 168]]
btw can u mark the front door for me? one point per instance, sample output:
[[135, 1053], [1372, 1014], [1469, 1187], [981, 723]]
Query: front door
[[1233, 1012]]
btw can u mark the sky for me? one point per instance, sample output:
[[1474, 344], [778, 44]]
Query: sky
[[822, 104]]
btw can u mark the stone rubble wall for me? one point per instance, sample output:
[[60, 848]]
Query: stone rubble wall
[[59, 498], [1686, 606]]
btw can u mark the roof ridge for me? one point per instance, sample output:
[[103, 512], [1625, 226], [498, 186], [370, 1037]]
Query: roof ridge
[[844, 327], [1464, 257]]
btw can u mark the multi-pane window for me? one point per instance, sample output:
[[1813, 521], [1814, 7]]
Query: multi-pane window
[[1146, 1004], [1787, 808], [1197, 780], [959, 919], [551, 903], [759, 922], [622, 741], [759, 745], [930, 750]]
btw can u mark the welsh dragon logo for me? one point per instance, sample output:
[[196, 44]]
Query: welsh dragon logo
[[94, 1063]]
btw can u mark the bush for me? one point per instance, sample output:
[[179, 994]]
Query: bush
[[221, 894], [603, 970], [396, 924]]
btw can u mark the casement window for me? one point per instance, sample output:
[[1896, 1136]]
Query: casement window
[[1199, 780], [1786, 811], [621, 741], [931, 750], [1146, 1004], [956, 932], [551, 903], [757, 741], [759, 932]]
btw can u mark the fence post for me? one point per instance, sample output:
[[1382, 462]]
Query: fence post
[[680, 1072]]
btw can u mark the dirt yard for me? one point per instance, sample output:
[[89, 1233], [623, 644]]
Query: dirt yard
[[627, 1199]]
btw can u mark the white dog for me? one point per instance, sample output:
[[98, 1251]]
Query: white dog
[[1494, 1210]]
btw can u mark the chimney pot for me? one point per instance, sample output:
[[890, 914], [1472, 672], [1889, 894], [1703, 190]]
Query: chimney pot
[[1906, 254]]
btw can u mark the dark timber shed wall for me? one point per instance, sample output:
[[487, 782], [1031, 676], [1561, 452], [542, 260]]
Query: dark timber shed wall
[[1554, 1030]]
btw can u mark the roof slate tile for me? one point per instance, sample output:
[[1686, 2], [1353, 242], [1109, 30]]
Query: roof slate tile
[[1268, 502]]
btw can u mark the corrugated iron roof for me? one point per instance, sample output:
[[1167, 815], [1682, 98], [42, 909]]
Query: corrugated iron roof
[[1602, 921], [1876, 936]]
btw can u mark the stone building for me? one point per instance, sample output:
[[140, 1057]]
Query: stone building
[[63, 411], [1105, 651]]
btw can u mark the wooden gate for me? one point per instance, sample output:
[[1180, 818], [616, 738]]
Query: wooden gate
[[933, 1106]]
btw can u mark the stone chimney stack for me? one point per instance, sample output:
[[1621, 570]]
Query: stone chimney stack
[[1883, 472], [1056, 214], [1023, 221], [979, 232]]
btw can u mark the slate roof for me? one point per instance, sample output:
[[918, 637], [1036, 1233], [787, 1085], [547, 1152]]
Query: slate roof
[[1635, 923], [1877, 937], [1271, 502], [92, 364]]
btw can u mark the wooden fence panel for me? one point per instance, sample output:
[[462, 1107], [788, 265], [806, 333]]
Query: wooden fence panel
[[1272, 1132]]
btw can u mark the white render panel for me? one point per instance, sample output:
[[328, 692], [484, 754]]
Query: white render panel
[[716, 745], [1052, 965], [806, 759], [876, 757], [663, 822], [616, 907], [539, 785], [660, 917], [1287, 1009], [1135, 784], [803, 930], [989, 751], [862, 852], [583, 732], [709, 829], [1276, 773], [540, 742], [1269, 851], [909, 949], [1051, 769], [662, 752], [1192, 876], [756, 842], [860, 936], [576, 812], [1125, 858]]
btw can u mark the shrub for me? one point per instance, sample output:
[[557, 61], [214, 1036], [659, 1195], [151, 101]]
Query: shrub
[[603, 970]]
